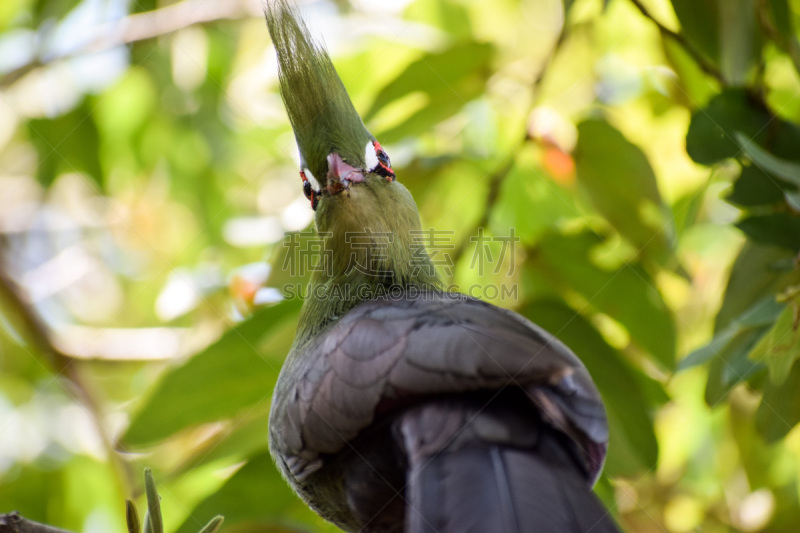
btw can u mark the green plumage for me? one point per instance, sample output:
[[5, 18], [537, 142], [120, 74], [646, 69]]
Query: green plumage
[[401, 405], [374, 223], [322, 115]]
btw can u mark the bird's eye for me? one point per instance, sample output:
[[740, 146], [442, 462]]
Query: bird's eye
[[311, 188], [384, 158], [378, 161]]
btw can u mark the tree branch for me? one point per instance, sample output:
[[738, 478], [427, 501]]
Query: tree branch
[[681, 40], [500, 173], [15, 523], [38, 331], [40, 334], [147, 25]]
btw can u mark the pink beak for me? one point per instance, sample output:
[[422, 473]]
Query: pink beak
[[340, 174]]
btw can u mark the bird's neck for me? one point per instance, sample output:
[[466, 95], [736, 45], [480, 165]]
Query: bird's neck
[[372, 248]]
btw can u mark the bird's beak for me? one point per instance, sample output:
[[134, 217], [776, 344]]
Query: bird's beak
[[341, 175]]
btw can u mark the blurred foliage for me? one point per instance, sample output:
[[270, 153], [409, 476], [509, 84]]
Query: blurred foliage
[[639, 156]]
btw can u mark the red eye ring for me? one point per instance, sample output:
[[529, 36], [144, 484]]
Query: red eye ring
[[309, 192], [384, 167]]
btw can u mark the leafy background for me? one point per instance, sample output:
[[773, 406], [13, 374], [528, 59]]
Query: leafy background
[[645, 153]]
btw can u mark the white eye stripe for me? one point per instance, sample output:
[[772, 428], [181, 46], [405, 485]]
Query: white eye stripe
[[311, 179], [371, 156]]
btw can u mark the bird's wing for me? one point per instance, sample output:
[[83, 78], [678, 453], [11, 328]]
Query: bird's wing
[[392, 352]]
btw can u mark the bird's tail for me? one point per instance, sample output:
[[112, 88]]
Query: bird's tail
[[474, 468]]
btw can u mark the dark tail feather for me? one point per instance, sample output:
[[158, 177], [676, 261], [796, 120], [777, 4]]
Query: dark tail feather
[[475, 485]]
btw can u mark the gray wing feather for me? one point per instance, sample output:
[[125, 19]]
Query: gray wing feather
[[388, 351]]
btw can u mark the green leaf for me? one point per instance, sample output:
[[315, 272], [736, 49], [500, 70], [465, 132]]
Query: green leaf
[[710, 138], [759, 272], [255, 493], [738, 39], [779, 347], [704, 354], [132, 517], [700, 23], [44, 9], [214, 525], [756, 187], [762, 314], [523, 187], [619, 181], [780, 229], [433, 73], [779, 410], [768, 162], [68, 143], [153, 517], [686, 210], [447, 79], [731, 365], [244, 438], [633, 448], [235, 372], [627, 294], [728, 351], [781, 16], [793, 199], [696, 88], [453, 17]]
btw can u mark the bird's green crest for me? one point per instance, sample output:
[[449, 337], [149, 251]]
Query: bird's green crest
[[322, 115]]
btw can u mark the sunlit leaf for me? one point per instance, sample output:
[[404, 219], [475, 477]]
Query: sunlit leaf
[[761, 315], [710, 138], [68, 143], [244, 438], [43, 9], [731, 365], [728, 351], [234, 373], [633, 448], [433, 73], [779, 411], [627, 294], [621, 184], [738, 39], [255, 493], [779, 348], [759, 271], [781, 16], [447, 79]]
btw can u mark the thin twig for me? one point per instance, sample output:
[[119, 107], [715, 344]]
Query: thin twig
[[40, 333], [499, 175], [147, 25], [680, 39], [495, 182]]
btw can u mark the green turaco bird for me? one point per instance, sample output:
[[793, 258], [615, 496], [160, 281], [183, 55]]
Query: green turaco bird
[[402, 407]]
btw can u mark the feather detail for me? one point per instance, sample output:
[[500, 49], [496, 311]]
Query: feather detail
[[474, 483], [319, 108]]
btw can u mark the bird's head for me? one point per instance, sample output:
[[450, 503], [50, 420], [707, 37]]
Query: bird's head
[[342, 165]]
